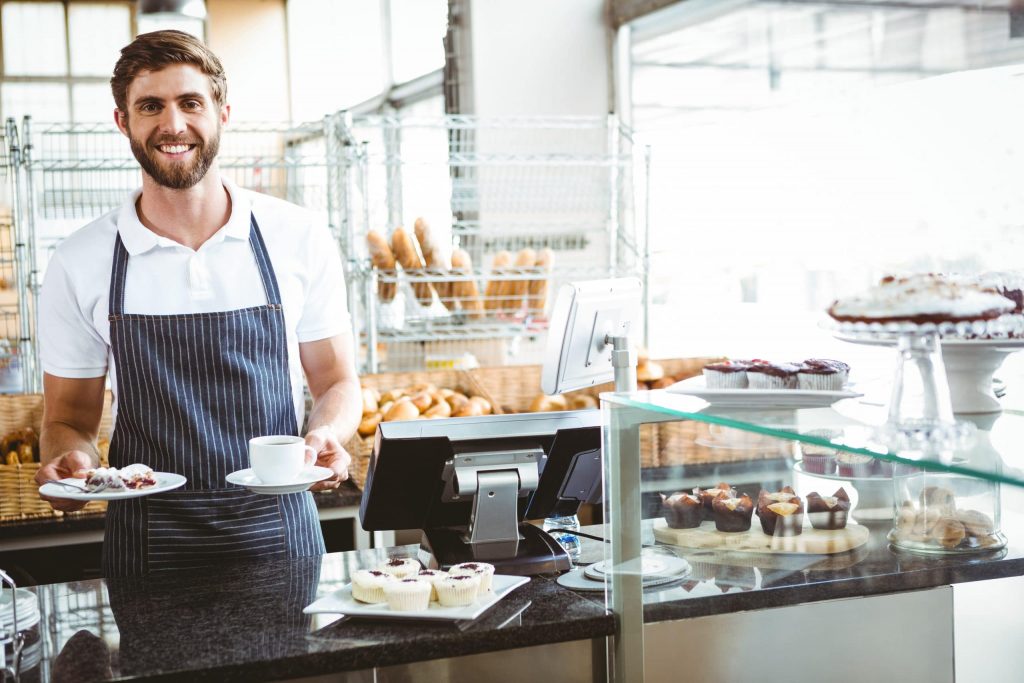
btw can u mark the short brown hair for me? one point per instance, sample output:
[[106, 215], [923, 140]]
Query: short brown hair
[[160, 49]]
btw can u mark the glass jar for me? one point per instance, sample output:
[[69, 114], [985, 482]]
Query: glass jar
[[945, 512]]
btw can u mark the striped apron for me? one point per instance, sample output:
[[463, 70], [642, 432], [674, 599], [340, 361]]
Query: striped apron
[[192, 390]]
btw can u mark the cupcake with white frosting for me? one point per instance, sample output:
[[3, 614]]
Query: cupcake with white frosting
[[482, 569], [368, 585], [457, 590], [401, 567], [407, 595], [431, 576]]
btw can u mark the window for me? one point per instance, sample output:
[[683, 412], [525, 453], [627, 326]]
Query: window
[[57, 58], [369, 56], [801, 150]]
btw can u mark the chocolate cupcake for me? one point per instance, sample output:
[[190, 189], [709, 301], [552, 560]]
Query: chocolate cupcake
[[773, 375], [855, 465], [682, 511], [733, 514], [722, 490], [728, 374], [780, 513], [828, 512], [822, 374]]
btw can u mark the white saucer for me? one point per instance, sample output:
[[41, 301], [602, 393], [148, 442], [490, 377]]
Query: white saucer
[[307, 478], [759, 398]]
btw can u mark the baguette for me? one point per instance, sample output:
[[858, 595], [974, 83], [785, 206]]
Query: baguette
[[498, 268], [383, 259], [466, 291], [538, 289], [515, 290], [408, 254], [436, 258]]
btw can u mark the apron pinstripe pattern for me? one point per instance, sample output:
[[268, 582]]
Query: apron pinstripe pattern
[[192, 390]]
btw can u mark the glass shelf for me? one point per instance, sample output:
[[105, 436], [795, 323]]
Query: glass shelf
[[994, 454]]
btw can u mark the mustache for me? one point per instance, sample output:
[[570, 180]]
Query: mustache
[[174, 141]]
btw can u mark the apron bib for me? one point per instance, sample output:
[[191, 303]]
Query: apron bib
[[192, 390]]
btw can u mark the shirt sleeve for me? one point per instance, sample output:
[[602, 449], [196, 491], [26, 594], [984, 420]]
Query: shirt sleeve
[[325, 310], [69, 343]]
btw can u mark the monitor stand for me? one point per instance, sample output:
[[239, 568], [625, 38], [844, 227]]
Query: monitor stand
[[536, 552]]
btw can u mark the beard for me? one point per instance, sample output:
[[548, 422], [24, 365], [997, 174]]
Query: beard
[[176, 176]]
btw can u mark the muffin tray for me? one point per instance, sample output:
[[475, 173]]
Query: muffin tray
[[810, 542], [342, 602]]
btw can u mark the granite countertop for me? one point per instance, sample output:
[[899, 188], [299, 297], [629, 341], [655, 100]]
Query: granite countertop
[[345, 496], [245, 623]]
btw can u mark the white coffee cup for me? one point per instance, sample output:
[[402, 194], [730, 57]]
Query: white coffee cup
[[278, 459]]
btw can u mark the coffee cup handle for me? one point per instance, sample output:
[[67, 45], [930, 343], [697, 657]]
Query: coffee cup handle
[[310, 455]]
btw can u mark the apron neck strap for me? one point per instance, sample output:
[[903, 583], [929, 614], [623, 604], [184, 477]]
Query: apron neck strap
[[256, 243]]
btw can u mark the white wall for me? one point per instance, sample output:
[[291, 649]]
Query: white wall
[[538, 57]]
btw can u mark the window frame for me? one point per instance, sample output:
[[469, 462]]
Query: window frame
[[67, 80]]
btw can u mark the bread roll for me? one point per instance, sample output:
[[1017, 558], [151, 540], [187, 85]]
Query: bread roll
[[392, 395], [457, 402], [649, 372], [538, 289], [581, 402], [499, 267], [408, 254], [515, 290], [545, 404], [421, 400], [370, 401], [383, 259], [369, 424], [469, 409], [439, 409], [465, 291], [403, 409], [437, 260], [485, 405]]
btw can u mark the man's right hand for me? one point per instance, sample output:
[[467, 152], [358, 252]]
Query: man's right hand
[[71, 464]]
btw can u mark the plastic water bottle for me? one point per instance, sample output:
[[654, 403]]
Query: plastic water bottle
[[569, 541]]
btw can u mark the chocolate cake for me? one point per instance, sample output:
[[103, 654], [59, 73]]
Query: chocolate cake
[[924, 298], [722, 490]]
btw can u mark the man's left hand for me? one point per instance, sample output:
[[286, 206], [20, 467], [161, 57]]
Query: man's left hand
[[329, 453]]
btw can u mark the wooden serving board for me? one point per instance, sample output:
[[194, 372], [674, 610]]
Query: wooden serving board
[[811, 542]]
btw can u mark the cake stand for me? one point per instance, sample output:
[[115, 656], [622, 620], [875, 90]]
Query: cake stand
[[969, 363]]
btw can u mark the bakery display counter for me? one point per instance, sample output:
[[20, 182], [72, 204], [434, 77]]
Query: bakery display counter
[[817, 510]]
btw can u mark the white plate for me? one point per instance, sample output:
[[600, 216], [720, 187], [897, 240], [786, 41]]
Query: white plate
[[307, 478], [759, 398], [342, 602], [165, 481], [28, 608]]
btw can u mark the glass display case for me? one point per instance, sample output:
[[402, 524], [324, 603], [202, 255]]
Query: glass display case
[[813, 495]]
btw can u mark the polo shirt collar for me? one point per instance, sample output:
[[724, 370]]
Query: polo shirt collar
[[137, 238]]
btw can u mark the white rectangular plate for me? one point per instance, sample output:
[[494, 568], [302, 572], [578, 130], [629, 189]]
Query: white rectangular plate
[[342, 602], [759, 398]]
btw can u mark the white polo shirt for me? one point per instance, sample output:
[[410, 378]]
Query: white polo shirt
[[165, 278]]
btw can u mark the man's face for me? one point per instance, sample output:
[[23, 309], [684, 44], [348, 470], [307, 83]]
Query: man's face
[[173, 124]]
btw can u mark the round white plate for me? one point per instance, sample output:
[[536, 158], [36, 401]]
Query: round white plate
[[759, 398], [307, 478], [165, 481]]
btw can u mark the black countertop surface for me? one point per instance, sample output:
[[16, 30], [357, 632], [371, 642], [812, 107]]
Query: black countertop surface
[[245, 623]]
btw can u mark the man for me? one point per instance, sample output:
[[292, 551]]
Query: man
[[207, 303]]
